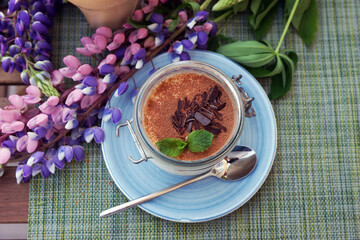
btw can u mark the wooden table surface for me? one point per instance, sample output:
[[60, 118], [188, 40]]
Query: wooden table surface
[[14, 198]]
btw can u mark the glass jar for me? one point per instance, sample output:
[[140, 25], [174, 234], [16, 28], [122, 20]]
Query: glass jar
[[169, 164]]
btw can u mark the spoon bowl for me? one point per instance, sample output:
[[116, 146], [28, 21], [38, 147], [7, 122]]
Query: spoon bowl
[[238, 164]]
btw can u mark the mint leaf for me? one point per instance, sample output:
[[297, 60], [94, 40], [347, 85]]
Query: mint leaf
[[171, 146], [199, 140]]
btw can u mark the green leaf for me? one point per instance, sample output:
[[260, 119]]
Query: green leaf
[[224, 4], [309, 24], [268, 71], [254, 6], [261, 15], [215, 42], [276, 88], [173, 24], [281, 83], [266, 24], [199, 140], [255, 60], [137, 25], [241, 6], [194, 6], [171, 146], [240, 48], [301, 8]]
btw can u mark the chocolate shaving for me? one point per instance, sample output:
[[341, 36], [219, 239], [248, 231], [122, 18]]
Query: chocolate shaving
[[217, 115], [205, 95], [213, 130], [222, 127], [200, 112], [202, 119], [221, 106], [189, 128], [196, 125], [214, 93], [180, 105]]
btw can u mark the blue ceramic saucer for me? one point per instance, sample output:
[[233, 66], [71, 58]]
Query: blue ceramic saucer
[[209, 198]]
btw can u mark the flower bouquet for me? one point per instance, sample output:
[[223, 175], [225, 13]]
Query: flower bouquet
[[48, 126]]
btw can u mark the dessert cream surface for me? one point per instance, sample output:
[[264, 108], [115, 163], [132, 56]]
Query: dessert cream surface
[[162, 102]]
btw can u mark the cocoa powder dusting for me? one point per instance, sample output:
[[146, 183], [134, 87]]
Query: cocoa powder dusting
[[165, 99]]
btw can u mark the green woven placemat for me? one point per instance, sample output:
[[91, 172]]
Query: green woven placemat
[[313, 189]]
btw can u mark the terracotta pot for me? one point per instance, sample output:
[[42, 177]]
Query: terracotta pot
[[111, 13]]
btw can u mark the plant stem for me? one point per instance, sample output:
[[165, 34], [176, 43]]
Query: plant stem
[[223, 16], [205, 4], [287, 26]]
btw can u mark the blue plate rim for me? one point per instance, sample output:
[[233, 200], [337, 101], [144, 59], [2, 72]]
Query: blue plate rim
[[254, 191]]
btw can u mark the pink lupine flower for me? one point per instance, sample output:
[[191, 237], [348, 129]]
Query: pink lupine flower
[[16, 101], [5, 155], [149, 42], [21, 143], [101, 86], [183, 16], [37, 120], [9, 115], [142, 33], [153, 3], [105, 31], [31, 145], [138, 15], [74, 96], [12, 127], [56, 77], [119, 38], [49, 106]]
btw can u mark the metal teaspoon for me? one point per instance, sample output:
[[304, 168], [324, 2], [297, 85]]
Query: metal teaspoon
[[237, 165]]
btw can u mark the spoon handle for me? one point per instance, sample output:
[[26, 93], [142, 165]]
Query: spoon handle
[[135, 202]]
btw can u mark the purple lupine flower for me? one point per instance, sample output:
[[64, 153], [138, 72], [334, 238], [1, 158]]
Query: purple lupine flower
[[24, 75], [65, 152], [44, 45], [122, 88], [90, 91], [45, 66], [35, 158], [19, 173], [5, 63], [175, 57], [99, 134], [79, 152], [159, 39], [45, 171], [36, 169], [201, 16], [90, 81], [89, 134], [109, 78], [184, 56], [41, 17], [39, 27], [188, 45], [156, 18], [178, 47], [72, 124], [202, 37], [13, 5], [58, 163], [13, 50], [155, 27], [106, 69], [113, 113]]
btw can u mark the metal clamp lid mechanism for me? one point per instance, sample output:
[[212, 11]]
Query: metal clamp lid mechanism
[[136, 141], [249, 109], [249, 112]]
